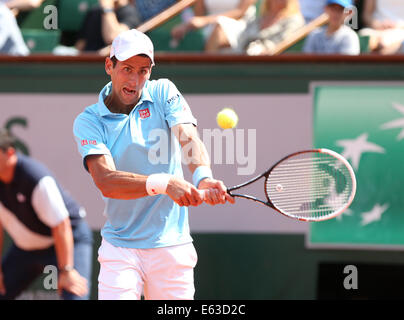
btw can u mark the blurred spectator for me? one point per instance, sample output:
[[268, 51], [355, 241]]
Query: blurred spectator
[[11, 41], [104, 22], [22, 5], [384, 24], [149, 8], [208, 12], [278, 19], [311, 9], [401, 50], [46, 226], [336, 37]]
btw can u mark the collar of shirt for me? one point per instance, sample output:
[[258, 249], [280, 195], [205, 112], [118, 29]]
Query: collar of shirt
[[103, 109]]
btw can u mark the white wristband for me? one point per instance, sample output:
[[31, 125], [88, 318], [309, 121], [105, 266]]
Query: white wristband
[[201, 173], [157, 183]]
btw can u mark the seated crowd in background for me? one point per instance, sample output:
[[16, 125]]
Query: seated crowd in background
[[236, 14], [253, 27], [111, 17], [277, 20], [104, 22]]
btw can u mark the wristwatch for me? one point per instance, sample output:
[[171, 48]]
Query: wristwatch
[[108, 10]]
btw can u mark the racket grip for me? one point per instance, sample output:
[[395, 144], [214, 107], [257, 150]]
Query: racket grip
[[204, 191]]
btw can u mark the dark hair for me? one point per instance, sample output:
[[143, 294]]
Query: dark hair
[[6, 140], [114, 61]]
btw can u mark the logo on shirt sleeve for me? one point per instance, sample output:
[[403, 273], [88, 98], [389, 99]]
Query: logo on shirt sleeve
[[172, 99], [87, 142], [144, 113]]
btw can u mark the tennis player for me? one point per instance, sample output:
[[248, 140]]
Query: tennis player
[[146, 245]]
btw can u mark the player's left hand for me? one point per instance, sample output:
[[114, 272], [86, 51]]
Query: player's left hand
[[217, 192], [73, 282]]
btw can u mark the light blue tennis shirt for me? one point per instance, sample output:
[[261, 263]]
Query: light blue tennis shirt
[[141, 143]]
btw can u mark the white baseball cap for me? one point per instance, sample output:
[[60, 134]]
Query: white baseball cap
[[132, 43]]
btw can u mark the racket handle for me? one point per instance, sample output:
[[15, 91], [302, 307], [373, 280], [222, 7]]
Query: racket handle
[[205, 191]]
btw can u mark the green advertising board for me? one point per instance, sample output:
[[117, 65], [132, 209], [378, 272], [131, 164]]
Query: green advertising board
[[364, 123]]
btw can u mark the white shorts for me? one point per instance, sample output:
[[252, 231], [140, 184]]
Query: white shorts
[[161, 273]]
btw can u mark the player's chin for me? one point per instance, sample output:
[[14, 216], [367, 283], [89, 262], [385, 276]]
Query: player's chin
[[128, 99]]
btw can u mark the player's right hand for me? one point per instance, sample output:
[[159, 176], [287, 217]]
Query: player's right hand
[[183, 193]]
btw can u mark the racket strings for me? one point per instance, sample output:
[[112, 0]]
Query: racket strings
[[310, 186]]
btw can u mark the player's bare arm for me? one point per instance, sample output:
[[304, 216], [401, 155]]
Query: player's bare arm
[[69, 280], [113, 183], [126, 185], [196, 155]]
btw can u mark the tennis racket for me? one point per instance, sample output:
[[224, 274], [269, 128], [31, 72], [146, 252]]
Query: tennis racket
[[311, 185]]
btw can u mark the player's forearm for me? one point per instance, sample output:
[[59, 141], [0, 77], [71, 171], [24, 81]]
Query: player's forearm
[[122, 185], [194, 150], [198, 156], [64, 244]]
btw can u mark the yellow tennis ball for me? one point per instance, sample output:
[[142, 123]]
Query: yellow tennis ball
[[227, 118]]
